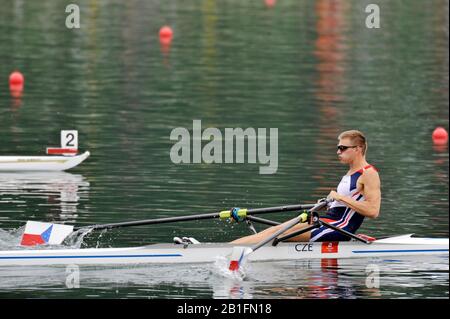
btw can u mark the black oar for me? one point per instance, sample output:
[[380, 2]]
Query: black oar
[[60, 232], [242, 213]]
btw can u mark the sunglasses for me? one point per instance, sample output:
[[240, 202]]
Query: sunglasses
[[343, 148]]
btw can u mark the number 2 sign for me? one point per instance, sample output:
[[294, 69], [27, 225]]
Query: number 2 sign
[[69, 139]]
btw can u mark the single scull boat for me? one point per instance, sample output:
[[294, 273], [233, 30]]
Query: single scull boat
[[190, 251], [404, 245]]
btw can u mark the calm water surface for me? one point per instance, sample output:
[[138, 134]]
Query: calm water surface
[[309, 68]]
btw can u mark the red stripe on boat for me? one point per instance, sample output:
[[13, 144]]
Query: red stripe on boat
[[58, 151]]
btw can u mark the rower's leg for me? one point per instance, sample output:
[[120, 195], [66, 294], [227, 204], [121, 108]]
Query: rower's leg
[[306, 236], [256, 238]]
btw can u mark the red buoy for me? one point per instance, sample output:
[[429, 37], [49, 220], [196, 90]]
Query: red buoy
[[440, 136], [270, 3], [16, 79], [165, 34], [16, 83]]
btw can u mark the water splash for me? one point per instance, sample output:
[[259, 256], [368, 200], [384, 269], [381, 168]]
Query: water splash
[[75, 240], [11, 238], [221, 268]]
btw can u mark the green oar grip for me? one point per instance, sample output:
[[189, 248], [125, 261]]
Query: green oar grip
[[303, 217], [225, 214]]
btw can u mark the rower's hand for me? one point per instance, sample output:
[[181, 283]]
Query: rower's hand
[[333, 195]]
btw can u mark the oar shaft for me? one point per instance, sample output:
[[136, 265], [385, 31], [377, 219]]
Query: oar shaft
[[288, 208], [254, 211], [262, 220], [288, 226], [151, 221]]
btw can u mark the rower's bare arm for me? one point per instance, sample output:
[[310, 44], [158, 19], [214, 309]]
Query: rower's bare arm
[[370, 207]]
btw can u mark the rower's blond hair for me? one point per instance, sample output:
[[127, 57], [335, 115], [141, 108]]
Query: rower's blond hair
[[357, 138]]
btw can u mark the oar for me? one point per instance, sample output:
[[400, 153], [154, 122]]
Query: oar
[[48, 233], [240, 254]]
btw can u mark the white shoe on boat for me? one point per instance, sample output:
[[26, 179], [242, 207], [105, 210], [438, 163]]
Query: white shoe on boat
[[190, 240], [178, 240]]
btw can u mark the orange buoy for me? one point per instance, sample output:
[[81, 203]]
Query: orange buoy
[[440, 136]]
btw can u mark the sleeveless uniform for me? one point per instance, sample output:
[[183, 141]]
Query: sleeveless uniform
[[340, 215]]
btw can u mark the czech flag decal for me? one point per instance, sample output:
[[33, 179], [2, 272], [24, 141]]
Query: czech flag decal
[[37, 233]]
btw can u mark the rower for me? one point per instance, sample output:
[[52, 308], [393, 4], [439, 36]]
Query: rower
[[358, 196]]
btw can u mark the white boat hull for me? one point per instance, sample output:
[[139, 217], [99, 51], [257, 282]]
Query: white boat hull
[[40, 163], [207, 253]]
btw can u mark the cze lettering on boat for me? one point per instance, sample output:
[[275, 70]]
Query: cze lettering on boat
[[304, 247]]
